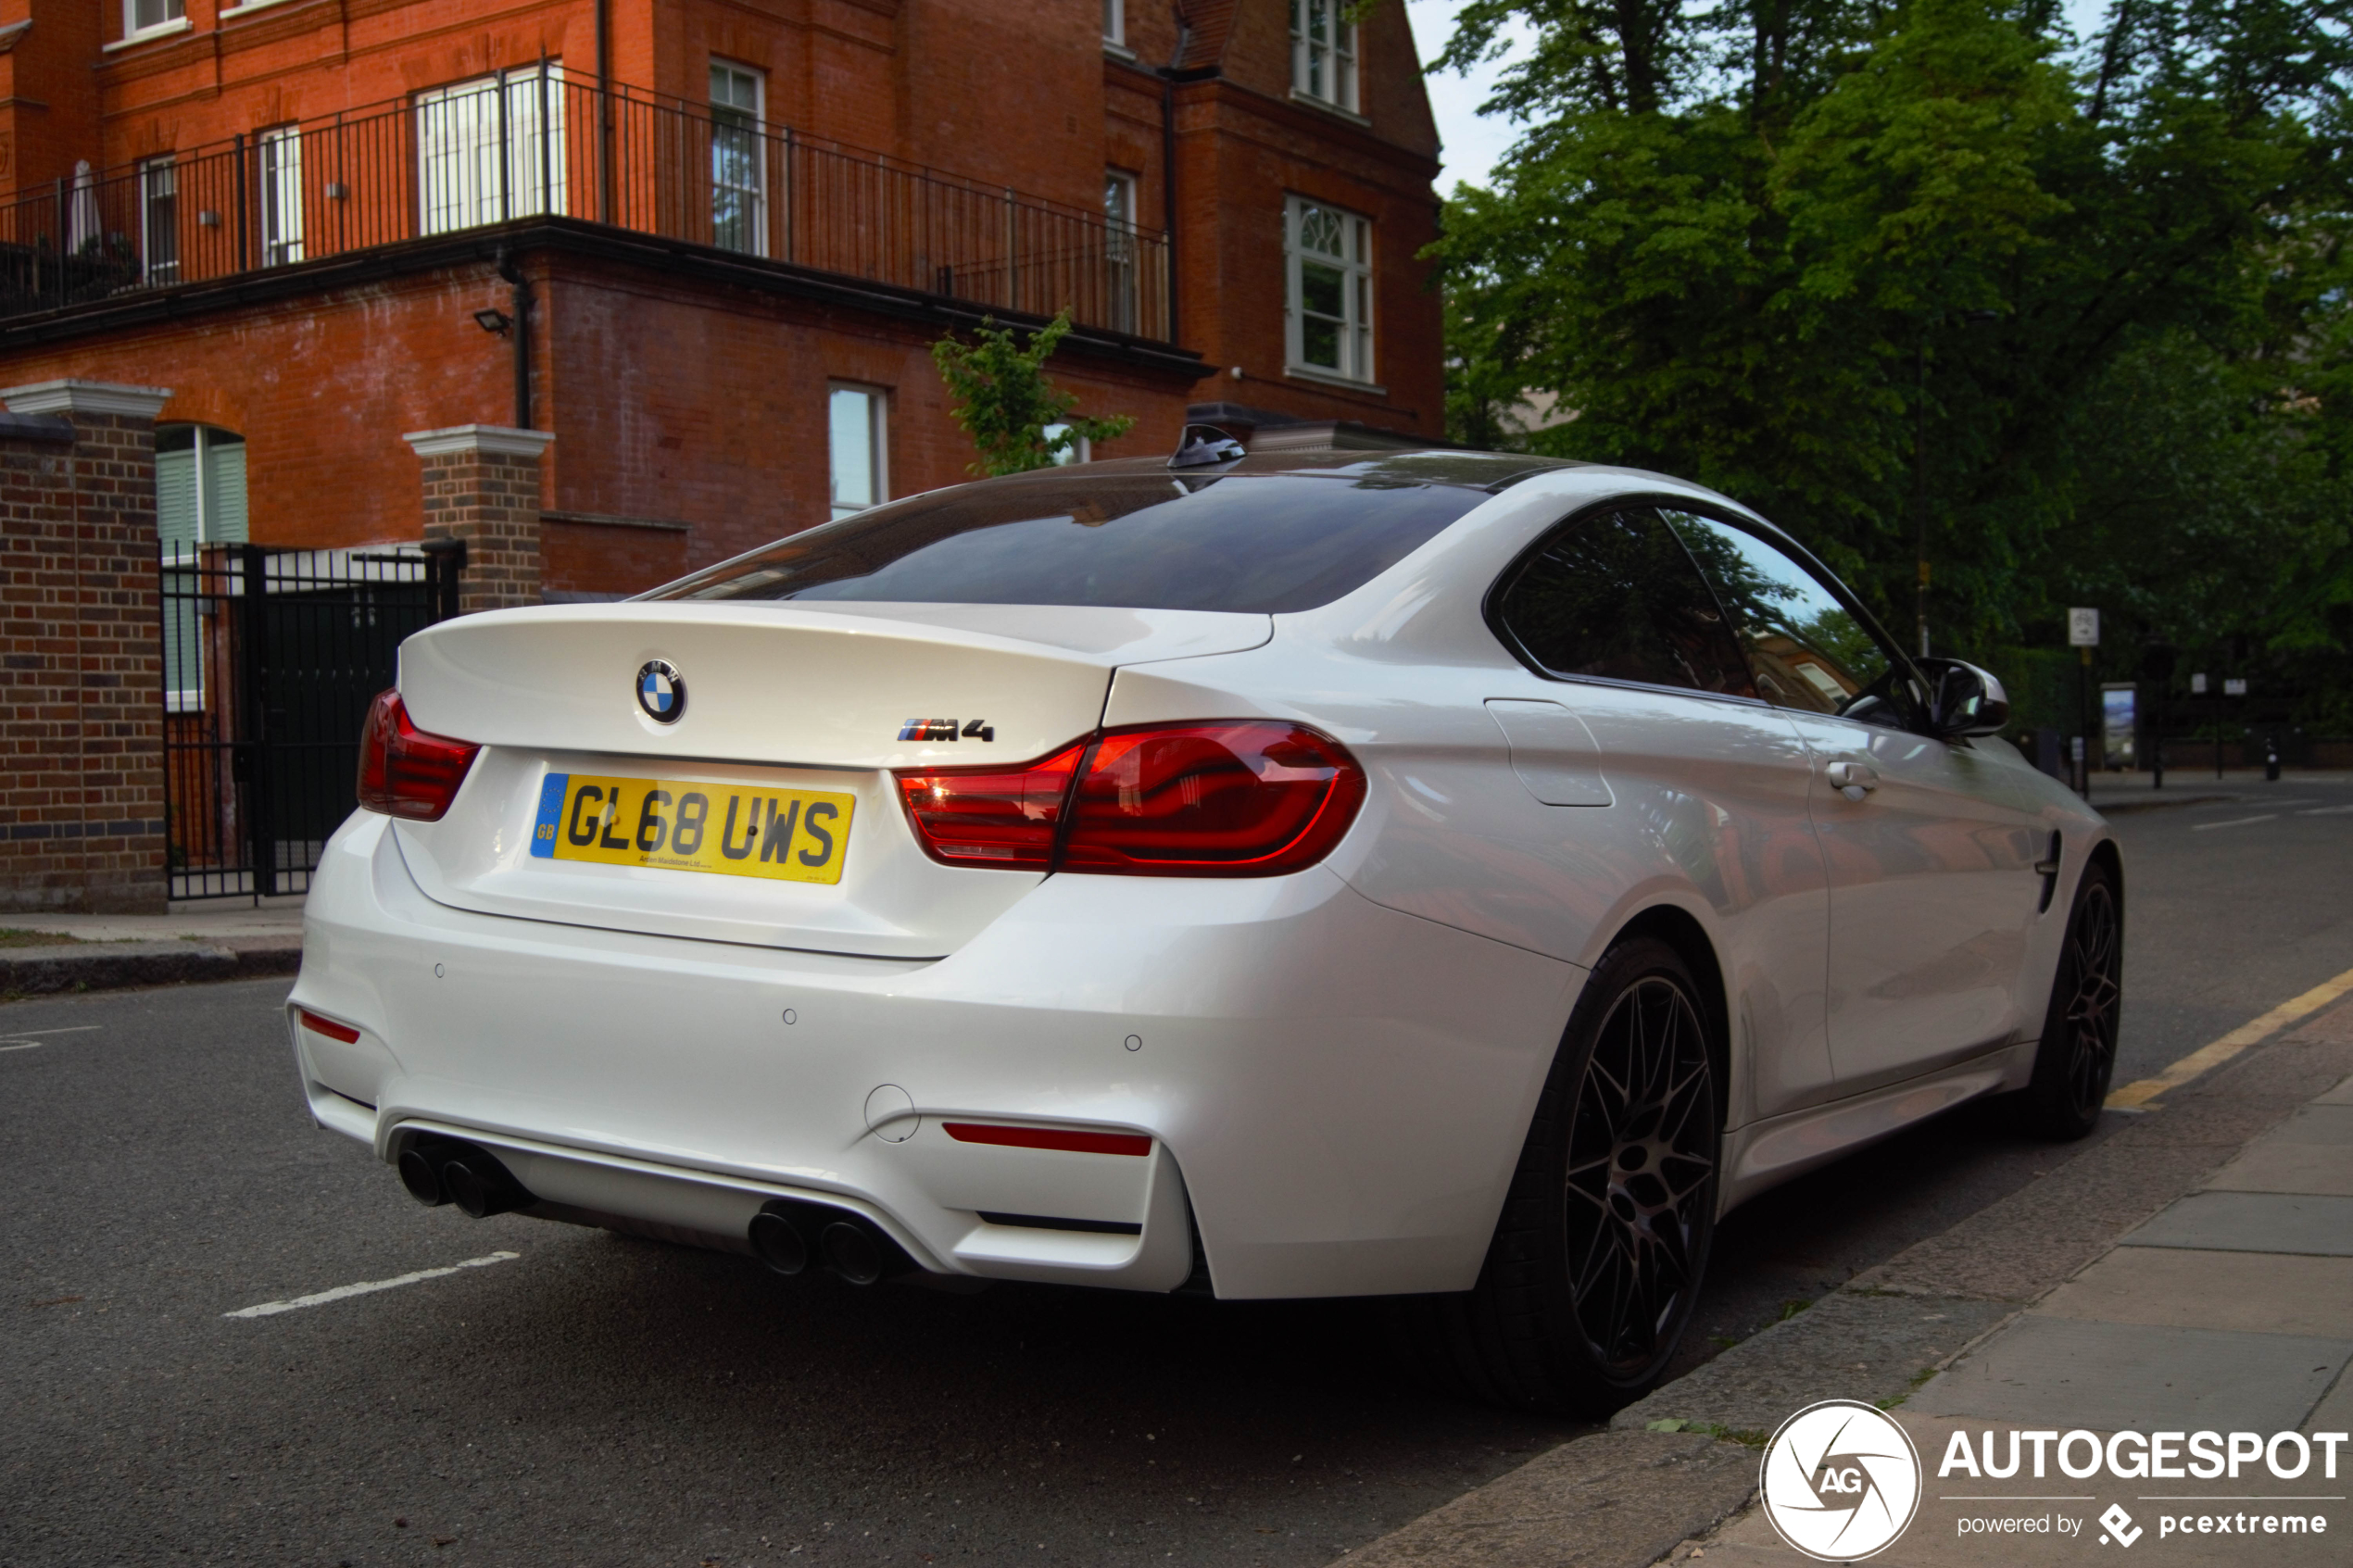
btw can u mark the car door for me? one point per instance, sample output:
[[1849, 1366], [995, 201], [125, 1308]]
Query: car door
[[1636, 706], [1930, 853]]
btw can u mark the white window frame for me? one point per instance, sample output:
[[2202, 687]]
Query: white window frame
[[1079, 451], [1115, 22], [280, 149], [463, 181], [1323, 53], [877, 443], [159, 183], [1119, 247], [184, 650], [732, 121], [1354, 264], [172, 16]]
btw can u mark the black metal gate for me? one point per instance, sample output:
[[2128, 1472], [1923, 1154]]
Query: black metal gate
[[271, 656]]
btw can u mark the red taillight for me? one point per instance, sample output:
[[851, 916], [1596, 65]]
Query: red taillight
[[1001, 817], [403, 770], [1231, 799], [1237, 798]]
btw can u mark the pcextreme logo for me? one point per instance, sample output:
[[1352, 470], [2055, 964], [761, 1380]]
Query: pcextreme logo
[[1841, 1481]]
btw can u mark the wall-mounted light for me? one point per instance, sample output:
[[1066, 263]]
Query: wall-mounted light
[[494, 321]]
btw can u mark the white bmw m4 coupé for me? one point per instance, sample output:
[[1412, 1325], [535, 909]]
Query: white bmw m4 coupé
[[1431, 874]]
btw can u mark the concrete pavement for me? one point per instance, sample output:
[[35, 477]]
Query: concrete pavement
[[194, 942]]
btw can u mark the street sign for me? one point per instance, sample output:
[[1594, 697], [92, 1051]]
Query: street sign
[[2235, 686], [2082, 628], [2198, 685]]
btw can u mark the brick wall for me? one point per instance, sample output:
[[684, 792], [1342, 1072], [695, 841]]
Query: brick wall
[[481, 487], [81, 804]]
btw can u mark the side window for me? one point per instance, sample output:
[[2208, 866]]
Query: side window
[[1809, 651], [1615, 595]]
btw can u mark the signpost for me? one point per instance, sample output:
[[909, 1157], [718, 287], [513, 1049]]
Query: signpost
[[2083, 635]]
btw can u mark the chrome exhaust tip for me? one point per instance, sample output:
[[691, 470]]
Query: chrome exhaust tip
[[777, 1242]]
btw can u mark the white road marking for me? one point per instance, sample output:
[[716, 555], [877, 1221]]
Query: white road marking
[[28, 1045], [271, 1309], [2234, 823], [2324, 811], [36, 1033]]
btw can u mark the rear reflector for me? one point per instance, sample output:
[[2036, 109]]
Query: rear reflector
[[403, 770], [1245, 797], [330, 1028], [1068, 1139]]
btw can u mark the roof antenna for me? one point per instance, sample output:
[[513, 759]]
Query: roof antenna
[[1204, 445]]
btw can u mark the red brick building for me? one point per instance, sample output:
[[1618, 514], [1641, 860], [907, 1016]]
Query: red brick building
[[701, 245]]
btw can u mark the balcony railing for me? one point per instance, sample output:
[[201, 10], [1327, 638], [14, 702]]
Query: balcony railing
[[531, 143]]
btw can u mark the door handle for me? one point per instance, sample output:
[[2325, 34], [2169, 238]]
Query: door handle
[[1854, 780]]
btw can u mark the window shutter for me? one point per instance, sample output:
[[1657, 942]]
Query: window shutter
[[176, 496], [224, 492]]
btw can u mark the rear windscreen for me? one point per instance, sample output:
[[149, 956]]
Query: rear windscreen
[[1260, 544]]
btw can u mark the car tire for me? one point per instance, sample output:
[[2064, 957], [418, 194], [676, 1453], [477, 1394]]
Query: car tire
[[1596, 1262], [2077, 1057]]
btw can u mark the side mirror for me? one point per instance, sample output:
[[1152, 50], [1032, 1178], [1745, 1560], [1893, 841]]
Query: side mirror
[[1969, 701]]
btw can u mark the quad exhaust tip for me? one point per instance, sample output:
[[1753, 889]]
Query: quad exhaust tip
[[789, 1233], [438, 1170]]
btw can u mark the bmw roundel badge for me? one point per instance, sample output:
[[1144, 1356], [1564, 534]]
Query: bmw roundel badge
[[662, 691]]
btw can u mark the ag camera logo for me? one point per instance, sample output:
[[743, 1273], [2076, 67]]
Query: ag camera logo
[[1841, 1481]]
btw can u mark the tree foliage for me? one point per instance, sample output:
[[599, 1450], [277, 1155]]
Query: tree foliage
[[1007, 404], [2087, 296]]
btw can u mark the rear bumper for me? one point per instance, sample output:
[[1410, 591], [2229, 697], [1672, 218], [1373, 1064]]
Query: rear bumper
[[1337, 1092]]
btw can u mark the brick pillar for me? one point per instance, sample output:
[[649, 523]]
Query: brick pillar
[[82, 801], [482, 487]]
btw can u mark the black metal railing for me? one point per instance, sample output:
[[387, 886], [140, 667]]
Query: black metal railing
[[270, 657], [535, 142]]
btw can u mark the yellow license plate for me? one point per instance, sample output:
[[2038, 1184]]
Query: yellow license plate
[[682, 826]]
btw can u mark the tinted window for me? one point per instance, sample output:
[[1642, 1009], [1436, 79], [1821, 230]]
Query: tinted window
[[1141, 540], [1615, 595], [1808, 649]]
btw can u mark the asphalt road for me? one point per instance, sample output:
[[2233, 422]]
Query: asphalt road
[[596, 1399]]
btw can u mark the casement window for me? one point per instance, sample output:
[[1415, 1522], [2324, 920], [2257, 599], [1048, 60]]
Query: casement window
[[145, 16], [1078, 450], [738, 161], [200, 500], [1119, 248], [160, 220], [1323, 51], [485, 152], [1327, 257], [1115, 21], [280, 195], [856, 417]]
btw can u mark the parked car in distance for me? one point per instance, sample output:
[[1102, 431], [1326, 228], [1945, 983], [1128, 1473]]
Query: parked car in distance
[[1441, 874]]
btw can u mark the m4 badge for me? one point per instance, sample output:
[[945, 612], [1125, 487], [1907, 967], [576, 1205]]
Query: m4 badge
[[945, 729]]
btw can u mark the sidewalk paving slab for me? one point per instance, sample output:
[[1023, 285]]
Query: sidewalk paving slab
[[2111, 1376], [2253, 1222], [1617, 1500], [2251, 1291]]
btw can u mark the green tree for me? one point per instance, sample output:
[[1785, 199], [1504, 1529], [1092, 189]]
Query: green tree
[[1006, 403], [2089, 302]]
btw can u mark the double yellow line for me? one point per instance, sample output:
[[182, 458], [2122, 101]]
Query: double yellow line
[[2206, 1058]]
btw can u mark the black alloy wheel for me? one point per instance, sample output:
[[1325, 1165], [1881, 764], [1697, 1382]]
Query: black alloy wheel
[[2077, 1058], [1598, 1255], [1641, 1165]]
